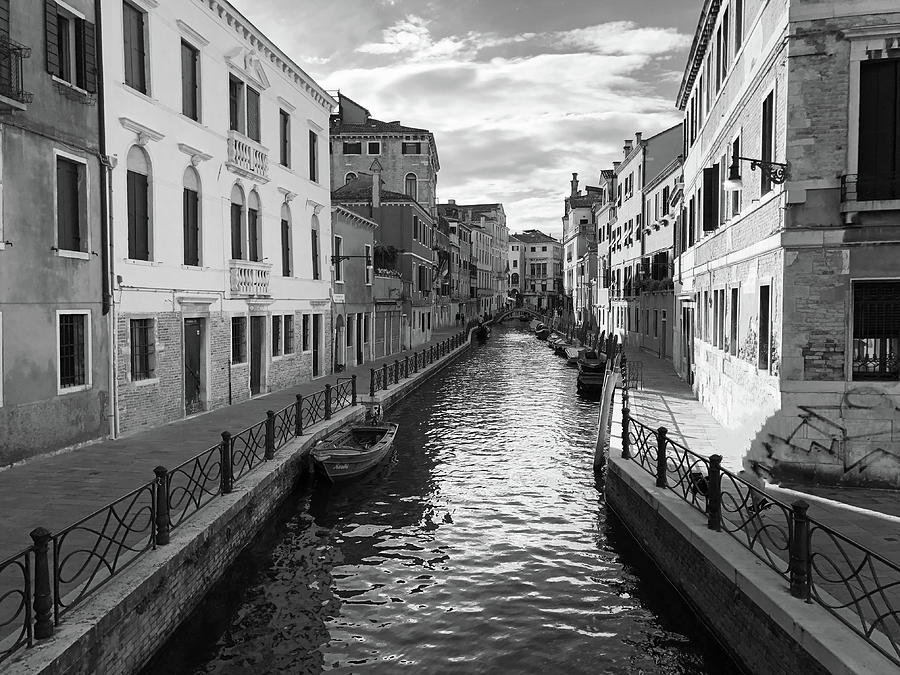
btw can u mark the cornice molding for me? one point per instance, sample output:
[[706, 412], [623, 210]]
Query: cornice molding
[[191, 34], [196, 155], [144, 133]]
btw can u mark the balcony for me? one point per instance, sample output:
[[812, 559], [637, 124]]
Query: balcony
[[249, 278], [12, 87], [247, 158]]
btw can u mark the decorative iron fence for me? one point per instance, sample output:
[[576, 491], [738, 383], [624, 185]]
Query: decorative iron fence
[[193, 484], [855, 584], [16, 622]]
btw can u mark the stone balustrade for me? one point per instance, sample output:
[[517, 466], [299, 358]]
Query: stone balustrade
[[247, 157], [249, 278]]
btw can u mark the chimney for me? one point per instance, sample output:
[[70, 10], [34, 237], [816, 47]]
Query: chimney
[[637, 136], [628, 146], [574, 184], [452, 202], [376, 184], [616, 166]]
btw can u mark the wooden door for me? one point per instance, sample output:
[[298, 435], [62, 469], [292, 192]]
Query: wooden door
[[257, 350], [193, 377]]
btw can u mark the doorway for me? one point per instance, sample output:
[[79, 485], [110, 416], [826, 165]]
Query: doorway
[[687, 342], [317, 347], [359, 339], [257, 342], [193, 369], [339, 350], [664, 330]]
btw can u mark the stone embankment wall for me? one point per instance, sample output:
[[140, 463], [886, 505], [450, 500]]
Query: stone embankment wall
[[126, 622]]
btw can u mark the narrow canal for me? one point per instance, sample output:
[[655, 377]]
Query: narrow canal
[[482, 546]]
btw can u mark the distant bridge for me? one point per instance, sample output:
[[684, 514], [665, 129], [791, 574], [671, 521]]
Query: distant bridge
[[517, 312]]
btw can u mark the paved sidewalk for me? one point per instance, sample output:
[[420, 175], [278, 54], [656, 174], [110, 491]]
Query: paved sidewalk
[[56, 490], [870, 517]]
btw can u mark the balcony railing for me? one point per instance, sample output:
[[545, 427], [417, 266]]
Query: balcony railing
[[249, 278], [12, 85], [247, 157], [862, 188]]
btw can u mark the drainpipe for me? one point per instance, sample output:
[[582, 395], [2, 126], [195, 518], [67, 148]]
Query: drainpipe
[[106, 238]]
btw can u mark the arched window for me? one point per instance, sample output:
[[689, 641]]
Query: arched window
[[412, 186], [237, 223], [515, 279], [253, 227], [191, 216], [138, 189], [349, 177], [315, 248], [287, 262]]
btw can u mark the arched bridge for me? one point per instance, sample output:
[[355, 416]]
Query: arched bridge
[[517, 312]]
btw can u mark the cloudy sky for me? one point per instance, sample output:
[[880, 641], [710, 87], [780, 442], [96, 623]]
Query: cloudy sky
[[519, 93]]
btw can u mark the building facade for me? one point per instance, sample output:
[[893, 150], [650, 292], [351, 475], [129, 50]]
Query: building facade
[[54, 298], [541, 280], [221, 218], [787, 284], [579, 244]]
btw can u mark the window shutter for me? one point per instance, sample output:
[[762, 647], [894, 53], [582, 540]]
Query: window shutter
[[4, 18], [52, 36], [253, 130], [253, 232], [879, 140], [132, 218], [67, 205], [89, 40], [285, 248], [711, 198], [236, 238], [191, 228]]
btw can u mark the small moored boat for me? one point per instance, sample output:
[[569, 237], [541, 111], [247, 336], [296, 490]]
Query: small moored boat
[[542, 332], [573, 354], [354, 449], [591, 371]]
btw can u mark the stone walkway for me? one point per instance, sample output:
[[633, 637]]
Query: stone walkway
[[53, 491]]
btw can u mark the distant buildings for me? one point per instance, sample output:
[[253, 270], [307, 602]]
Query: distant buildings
[[536, 269], [580, 248]]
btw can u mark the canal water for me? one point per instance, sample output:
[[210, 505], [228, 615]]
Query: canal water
[[481, 546]]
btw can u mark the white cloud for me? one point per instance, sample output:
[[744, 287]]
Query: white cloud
[[625, 37]]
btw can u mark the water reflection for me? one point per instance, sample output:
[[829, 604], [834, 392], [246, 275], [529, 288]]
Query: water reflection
[[481, 546]]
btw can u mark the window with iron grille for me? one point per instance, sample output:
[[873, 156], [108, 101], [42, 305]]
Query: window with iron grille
[[305, 336], [143, 350], [276, 336], [73, 346], [876, 330], [288, 333], [239, 339]]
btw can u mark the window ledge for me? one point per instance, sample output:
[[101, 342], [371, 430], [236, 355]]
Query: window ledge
[[62, 391], [77, 255], [196, 268], [874, 205], [241, 363], [66, 83], [147, 382], [143, 263], [140, 94]]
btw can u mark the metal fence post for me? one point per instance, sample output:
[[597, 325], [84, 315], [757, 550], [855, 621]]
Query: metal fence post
[[43, 602], [384, 376], [225, 480], [327, 401], [353, 390], [406, 366], [661, 480], [396, 371], [714, 493], [415, 362], [371, 382], [298, 419], [161, 521], [270, 434], [799, 550], [626, 415]]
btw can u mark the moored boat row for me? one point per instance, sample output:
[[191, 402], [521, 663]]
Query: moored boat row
[[591, 362]]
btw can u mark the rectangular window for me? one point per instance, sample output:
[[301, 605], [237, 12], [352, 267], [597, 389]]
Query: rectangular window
[[284, 134], [143, 350], [253, 120], [764, 328], [338, 264], [253, 233], [305, 336], [656, 323], [288, 333], [374, 148], [190, 81], [725, 55], [706, 331], [236, 112], [738, 24], [191, 215], [767, 140], [369, 268], [74, 351], [71, 50], [715, 319], [879, 130], [237, 239], [285, 248], [238, 339], [735, 194], [138, 216], [353, 148], [876, 330], [71, 206], [721, 326], [711, 198], [411, 149], [135, 53], [276, 335], [313, 156], [315, 254], [734, 321]]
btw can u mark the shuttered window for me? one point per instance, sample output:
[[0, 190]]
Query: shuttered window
[[315, 254], [879, 136], [71, 48], [313, 157], [236, 104], [190, 81], [237, 252], [69, 186], [284, 133], [711, 198], [767, 141], [285, 248], [191, 208], [138, 216], [135, 54], [253, 232], [253, 130]]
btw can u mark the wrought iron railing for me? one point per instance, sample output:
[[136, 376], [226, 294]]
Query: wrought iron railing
[[12, 81], [391, 373], [193, 484], [16, 623], [855, 584]]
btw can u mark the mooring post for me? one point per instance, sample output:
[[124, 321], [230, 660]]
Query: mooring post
[[626, 452], [270, 434], [714, 493], [225, 481], [327, 401], [353, 390], [43, 602], [161, 521], [799, 550], [661, 480], [298, 419]]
